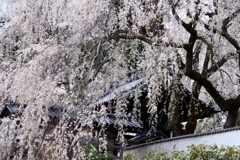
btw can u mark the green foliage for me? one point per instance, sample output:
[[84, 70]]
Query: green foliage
[[195, 152], [92, 153]]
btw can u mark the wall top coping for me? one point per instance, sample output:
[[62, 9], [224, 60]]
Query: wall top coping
[[183, 137]]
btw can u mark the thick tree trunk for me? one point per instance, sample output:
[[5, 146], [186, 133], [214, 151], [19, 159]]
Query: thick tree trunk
[[192, 118], [176, 125], [233, 114]]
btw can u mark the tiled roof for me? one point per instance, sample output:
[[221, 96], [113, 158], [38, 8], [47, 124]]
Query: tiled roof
[[114, 93], [112, 119], [10, 110], [57, 112]]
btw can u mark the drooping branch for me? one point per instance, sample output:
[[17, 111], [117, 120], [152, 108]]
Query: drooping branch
[[205, 63], [97, 70]]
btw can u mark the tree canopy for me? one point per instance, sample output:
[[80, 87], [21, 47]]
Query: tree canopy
[[73, 54]]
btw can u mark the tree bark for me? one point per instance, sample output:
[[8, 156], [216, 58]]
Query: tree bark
[[233, 114], [176, 125], [225, 105]]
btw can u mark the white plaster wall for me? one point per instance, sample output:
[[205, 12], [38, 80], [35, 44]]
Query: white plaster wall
[[230, 138]]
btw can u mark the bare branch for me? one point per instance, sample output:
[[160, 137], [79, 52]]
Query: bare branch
[[188, 27], [219, 64], [225, 27], [207, 43], [228, 76], [121, 34], [210, 89]]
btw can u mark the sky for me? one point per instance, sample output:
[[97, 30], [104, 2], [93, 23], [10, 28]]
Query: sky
[[3, 12], [3, 7]]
